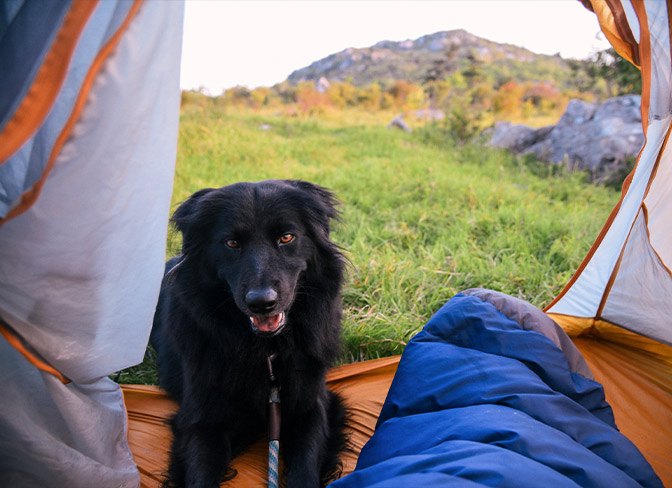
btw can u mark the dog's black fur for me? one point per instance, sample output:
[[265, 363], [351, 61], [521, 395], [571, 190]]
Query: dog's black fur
[[258, 274]]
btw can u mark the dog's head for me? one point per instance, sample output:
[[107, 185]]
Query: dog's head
[[259, 242]]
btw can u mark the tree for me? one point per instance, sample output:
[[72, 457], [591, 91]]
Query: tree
[[342, 94], [509, 98], [260, 96], [622, 76], [238, 95], [606, 72], [309, 100], [438, 71], [369, 96]]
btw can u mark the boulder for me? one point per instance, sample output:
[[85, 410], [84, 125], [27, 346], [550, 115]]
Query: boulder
[[322, 85], [598, 138], [516, 137], [399, 123]]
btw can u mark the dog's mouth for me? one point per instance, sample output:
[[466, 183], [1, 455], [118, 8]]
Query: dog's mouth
[[268, 325]]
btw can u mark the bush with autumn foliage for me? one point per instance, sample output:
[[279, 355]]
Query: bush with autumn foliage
[[463, 101]]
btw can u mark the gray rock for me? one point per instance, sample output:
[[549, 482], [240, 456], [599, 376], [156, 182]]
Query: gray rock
[[577, 112], [322, 85], [598, 138], [399, 123], [516, 137]]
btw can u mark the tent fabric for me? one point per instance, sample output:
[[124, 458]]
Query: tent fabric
[[73, 276], [21, 54], [480, 400], [85, 194], [616, 307], [31, 111], [626, 279], [54, 434]]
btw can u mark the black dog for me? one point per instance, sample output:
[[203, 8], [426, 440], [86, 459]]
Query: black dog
[[258, 275]]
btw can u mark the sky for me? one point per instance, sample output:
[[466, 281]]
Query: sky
[[260, 42]]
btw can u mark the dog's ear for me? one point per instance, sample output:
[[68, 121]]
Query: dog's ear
[[183, 216], [325, 203]]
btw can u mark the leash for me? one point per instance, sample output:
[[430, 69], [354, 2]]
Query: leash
[[273, 425]]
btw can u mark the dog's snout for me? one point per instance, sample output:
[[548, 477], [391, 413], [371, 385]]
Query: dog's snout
[[262, 300]]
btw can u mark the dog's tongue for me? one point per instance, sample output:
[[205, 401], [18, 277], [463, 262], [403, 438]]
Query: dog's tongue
[[267, 323]]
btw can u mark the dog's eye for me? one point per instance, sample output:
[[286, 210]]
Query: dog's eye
[[287, 238], [232, 243]]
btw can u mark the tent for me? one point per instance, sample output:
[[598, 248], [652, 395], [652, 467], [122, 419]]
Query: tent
[[618, 303], [89, 109], [89, 101]]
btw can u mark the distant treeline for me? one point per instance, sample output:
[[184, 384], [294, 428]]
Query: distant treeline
[[468, 96]]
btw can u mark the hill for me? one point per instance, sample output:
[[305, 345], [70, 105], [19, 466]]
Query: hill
[[435, 55]]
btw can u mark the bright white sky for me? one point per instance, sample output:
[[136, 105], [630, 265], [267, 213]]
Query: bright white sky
[[259, 43]]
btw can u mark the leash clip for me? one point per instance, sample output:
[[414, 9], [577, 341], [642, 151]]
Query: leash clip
[[269, 361]]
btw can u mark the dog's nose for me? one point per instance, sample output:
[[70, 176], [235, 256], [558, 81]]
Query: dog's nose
[[262, 300]]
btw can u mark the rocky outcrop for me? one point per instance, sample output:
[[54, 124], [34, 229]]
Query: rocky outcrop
[[322, 85], [598, 138], [517, 138], [411, 60]]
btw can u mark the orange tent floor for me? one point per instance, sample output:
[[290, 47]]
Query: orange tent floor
[[363, 385], [638, 386]]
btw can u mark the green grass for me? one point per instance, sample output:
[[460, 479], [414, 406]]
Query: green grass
[[423, 217]]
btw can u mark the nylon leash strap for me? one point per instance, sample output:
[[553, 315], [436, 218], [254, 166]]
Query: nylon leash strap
[[273, 426]]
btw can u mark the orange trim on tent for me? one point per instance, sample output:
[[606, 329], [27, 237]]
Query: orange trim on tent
[[646, 93], [590, 328], [645, 47], [645, 57], [30, 196], [17, 344], [598, 241], [615, 26], [614, 272], [47, 83]]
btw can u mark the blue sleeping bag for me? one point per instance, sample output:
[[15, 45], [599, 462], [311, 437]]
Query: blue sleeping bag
[[493, 393]]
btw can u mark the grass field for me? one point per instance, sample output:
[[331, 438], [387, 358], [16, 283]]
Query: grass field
[[422, 217]]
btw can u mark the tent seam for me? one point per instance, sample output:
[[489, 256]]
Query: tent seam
[[648, 238], [17, 343]]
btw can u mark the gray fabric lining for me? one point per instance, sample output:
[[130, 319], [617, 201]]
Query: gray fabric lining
[[531, 318]]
